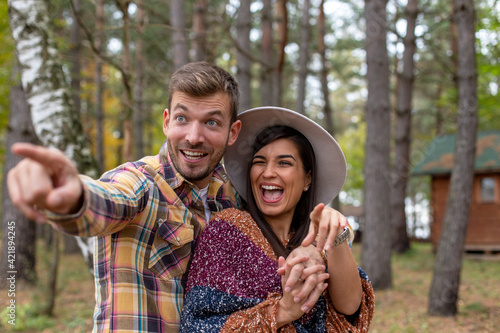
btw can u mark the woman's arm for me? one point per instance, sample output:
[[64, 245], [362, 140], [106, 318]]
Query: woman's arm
[[344, 284]]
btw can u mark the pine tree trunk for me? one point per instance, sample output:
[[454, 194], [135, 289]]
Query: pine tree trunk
[[244, 75], [18, 233], [140, 82], [376, 252], [178, 22], [327, 108], [282, 33], [99, 86], [200, 28], [128, 133], [303, 56], [266, 54], [75, 55], [401, 167], [445, 284]]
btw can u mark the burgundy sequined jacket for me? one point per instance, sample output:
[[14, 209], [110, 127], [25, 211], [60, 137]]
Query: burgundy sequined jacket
[[233, 285]]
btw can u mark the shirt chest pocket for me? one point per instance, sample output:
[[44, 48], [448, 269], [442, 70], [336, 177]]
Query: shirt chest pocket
[[171, 249]]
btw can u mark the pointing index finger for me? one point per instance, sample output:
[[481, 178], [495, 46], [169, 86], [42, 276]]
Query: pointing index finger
[[42, 155]]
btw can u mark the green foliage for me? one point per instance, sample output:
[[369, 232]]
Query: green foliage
[[488, 63], [352, 143], [28, 317], [6, 63]]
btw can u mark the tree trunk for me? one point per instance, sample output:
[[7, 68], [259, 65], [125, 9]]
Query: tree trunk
[[303, 56], [140, 82], [75, 55], [376, 254], [128, 136], [51, 290], [99, 86], [52, 113], [54, 118], [244, 75], [178, 22], [70, 244], [401, 167], [282, 33], [446, 278], [18, 233], [266, 54], [200, 28], [327, 107]]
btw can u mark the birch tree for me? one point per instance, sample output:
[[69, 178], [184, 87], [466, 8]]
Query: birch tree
[[53, 115], [54, 118]]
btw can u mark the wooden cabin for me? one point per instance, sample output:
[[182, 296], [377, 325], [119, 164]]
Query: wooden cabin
[[483, 232]]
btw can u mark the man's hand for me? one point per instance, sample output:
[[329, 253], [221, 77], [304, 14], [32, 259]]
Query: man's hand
[[45, 179]]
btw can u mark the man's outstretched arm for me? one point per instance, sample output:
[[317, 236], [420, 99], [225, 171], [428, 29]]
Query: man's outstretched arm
[[44, 179]]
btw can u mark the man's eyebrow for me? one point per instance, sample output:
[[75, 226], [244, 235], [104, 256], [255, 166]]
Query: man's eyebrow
[[209, 114], [215, 113], [181, 106]]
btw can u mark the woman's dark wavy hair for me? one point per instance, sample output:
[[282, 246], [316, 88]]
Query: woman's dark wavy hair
[[301, 219]]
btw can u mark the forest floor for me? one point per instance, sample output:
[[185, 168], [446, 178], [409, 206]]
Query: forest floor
[[400, 309]]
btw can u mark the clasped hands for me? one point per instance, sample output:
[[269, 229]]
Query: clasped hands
[[304, 276]]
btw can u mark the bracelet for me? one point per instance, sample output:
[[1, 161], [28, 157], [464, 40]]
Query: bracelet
[[342, 237]]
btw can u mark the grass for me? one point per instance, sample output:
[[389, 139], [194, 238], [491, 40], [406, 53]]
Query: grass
[[404, 307], [400, 309]]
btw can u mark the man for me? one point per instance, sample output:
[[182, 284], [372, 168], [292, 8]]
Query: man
[[145, 214]]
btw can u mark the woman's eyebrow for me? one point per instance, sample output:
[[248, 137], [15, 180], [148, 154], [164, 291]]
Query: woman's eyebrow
[[287, 156]]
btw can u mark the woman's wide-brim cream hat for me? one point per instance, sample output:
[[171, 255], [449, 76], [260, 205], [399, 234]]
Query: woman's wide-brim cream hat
[[330, 161]]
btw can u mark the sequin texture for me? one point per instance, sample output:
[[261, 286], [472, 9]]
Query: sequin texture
[[233, 285]]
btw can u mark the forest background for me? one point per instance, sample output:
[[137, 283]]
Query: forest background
[[114, 60]]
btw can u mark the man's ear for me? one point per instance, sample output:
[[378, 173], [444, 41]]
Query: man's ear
[[234, 130], [165, 121]]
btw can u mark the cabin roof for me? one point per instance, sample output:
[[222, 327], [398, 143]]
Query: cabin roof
[[438, 157]]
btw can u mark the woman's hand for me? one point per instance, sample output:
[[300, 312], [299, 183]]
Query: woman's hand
[[301, 295], [326, 224]]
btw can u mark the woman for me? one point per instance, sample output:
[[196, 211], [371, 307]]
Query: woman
[[282, 164]]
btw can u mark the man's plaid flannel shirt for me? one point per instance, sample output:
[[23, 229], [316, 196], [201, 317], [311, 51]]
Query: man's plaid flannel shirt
[[146, 217]]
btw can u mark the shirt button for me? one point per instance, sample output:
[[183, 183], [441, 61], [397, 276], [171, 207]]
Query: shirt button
[[178, 238]]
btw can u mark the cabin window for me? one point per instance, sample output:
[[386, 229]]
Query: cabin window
[[487, 189]]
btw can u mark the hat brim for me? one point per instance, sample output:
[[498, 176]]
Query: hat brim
[[330, 160]]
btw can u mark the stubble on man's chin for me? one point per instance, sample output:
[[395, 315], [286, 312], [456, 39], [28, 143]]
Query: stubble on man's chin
[[189, 175]]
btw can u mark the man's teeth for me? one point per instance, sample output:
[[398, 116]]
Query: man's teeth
[[271, 187], [192, 155]]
